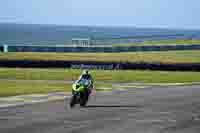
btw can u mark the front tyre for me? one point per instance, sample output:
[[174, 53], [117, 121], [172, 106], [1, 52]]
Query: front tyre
[[72, 101], [83, 100]]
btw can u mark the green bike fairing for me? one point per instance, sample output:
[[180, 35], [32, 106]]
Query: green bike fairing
[[78, 88]]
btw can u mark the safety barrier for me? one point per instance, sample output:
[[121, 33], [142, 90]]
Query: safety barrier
[[100, 65], [19, 48]]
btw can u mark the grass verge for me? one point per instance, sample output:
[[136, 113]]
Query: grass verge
[[50, 74], [17, 81], [156, 76], [161, 43], [190, 56], [101, 75], [13, 88]]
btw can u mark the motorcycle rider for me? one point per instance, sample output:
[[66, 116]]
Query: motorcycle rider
[[86, 75]]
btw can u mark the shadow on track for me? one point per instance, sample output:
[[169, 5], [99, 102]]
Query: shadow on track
[[113, 106]]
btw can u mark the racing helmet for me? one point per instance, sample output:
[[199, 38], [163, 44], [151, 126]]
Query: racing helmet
[[85, 72]]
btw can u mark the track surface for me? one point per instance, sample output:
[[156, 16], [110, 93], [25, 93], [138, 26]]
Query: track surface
[[149, 110]]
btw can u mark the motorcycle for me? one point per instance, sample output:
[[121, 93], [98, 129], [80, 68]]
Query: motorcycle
[[80, 92]]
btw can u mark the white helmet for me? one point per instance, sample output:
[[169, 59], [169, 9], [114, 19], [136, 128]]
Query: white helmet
[[85, 72]]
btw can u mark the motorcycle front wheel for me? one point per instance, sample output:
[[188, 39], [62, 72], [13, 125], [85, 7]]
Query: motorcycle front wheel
[[83, 100], [72, 101]]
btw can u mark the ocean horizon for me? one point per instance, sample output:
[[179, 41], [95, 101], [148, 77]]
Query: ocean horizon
[[40, 34]]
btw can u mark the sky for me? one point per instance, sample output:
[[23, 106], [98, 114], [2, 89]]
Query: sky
[[136, 13]]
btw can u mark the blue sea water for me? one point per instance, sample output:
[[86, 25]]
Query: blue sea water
[[34, 34]]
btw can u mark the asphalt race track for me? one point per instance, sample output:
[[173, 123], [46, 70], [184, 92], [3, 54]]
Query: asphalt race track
[[147, 110]]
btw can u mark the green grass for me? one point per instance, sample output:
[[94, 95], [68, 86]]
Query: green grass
[[30, 85], [19, 87], [100, 75], [156, 76], [12, 88], [50, 74], [162, 42], [192, 56]]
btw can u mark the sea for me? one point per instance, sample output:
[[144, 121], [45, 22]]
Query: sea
[[38, 34]]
